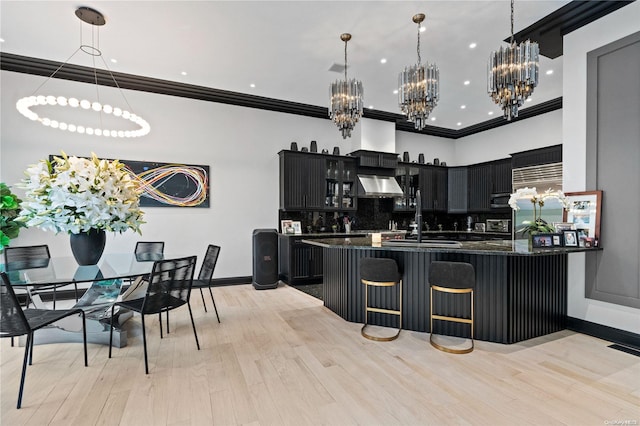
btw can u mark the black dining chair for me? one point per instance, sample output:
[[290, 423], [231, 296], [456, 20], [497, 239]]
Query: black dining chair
[[149, 247], [206, 274], [24, 257], [14, 321], [169, 288]]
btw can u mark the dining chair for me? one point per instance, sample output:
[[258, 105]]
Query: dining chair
[[149, 247], [169, 288], [206, 273], [14, 322], [21, 257]]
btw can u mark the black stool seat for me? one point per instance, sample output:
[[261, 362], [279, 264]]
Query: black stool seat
[[455, 278], [380, 273]]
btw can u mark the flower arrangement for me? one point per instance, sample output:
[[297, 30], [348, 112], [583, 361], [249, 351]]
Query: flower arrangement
[[538, 225], [9, 210], [75, 195]]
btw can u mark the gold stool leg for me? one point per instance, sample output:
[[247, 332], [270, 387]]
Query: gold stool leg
[[367, 309], [444, 318]]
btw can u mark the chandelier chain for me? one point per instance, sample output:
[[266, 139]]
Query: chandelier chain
[[345, 59], [512, 21], [418, 47]]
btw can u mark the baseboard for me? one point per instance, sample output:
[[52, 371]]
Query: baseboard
[[218, 282], [604, 332]]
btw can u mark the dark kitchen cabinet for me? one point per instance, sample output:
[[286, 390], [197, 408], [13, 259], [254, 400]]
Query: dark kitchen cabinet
[[299, 263], [302, 181], [457, 190], [434, 188], [408, 177], [341, 184], [501, 176], [480, 187]]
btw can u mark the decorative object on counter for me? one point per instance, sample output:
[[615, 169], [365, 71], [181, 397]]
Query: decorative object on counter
[[546, 240], [80, 195], [405, 157], [314, 146], [297, 228], [304, 149], [436, 161], [96, 19], [513, 74], [336, 150], [294, 146], [325, 151], [584, 213], [345, 108], [443, 164], [421, 158], [286, 226], [419, 89], [9, 210], [570, 238], [537, 225]]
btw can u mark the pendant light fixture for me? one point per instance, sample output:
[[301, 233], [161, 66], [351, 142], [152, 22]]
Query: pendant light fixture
[[24, 105], [513, 74], [419, 89], [345, 107]]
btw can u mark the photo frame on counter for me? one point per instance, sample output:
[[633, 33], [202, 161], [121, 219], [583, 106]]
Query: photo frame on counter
[[542, 240], [286, 226], [570, 238], [297, 227], [584, 212]]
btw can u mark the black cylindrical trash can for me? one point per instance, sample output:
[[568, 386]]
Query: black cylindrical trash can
[[265, 259]]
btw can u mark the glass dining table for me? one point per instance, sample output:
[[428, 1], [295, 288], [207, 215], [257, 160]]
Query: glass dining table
[[103, 287]]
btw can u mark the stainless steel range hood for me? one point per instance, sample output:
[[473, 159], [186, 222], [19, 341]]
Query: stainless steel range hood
[[372, 186]]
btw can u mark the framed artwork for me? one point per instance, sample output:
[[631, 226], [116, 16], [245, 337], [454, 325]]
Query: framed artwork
[[570, 238], [286, 226], [297, 228], [584, 213]]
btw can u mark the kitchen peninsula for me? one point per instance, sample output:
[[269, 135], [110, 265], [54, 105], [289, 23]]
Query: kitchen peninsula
[[518, 295]]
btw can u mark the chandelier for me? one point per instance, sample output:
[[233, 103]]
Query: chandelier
[[513, 74], [346, 98], [24, 105], [419, 90]]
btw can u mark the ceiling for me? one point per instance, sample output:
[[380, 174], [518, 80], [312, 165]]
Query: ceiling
[[286, 48]]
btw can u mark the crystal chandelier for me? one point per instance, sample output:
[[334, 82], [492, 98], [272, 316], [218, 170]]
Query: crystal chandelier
[[513, 74], [24, 105], [346, 98], [419, 90]]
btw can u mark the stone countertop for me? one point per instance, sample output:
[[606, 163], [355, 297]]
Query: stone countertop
[[493, 247]]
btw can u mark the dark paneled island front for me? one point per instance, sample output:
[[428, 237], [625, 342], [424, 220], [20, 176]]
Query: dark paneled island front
[[518, 296]]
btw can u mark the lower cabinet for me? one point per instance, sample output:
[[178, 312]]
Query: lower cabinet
[[299, 263]]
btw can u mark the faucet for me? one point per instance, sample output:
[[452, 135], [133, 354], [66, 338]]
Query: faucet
[[419, 214]]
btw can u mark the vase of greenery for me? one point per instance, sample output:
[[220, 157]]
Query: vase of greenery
[[83, 197]]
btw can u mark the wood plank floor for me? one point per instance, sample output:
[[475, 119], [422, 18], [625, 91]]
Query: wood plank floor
[[280, 358]]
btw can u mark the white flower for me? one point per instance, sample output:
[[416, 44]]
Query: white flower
[[75, 195]]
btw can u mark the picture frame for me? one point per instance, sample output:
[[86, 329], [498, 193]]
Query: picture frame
[[557, 240], [584, 213], [570, 238], [286, 226], [542, 240], [297, 228], [562, 226]]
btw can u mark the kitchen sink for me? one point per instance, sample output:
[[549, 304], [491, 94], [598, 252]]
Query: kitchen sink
[[423, 243]]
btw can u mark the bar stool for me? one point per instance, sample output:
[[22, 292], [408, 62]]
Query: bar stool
[[452, 278], [380, 273]]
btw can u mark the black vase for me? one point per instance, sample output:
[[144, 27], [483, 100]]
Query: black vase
[[87, 247]]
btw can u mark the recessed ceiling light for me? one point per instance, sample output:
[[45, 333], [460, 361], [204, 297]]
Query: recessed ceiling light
[[1, 40], [423, 29], [383, 60], [370, 106], [490, 113], [549, 72], [114, 61], [467, 82], [528, 100], [183, 73], [395, 92], [433, 119], [252, 85], [463, 106], [473, 45], [459, 123]]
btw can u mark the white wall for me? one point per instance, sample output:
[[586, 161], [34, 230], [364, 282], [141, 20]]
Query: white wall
[[377, 135], [577, 44], [536, 132], [239, 144], [431, 146]]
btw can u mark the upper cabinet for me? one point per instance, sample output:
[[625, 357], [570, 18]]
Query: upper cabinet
[[408, 177], [501, 176], [479, 187], [434, 188], [310, 181], [457, 191]]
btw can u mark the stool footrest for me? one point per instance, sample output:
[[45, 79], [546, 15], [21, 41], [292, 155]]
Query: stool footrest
[[383, 311], [450, 350], [376, 338], [454, 319]]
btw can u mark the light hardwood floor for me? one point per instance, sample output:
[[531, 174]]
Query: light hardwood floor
[[280, 358]]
